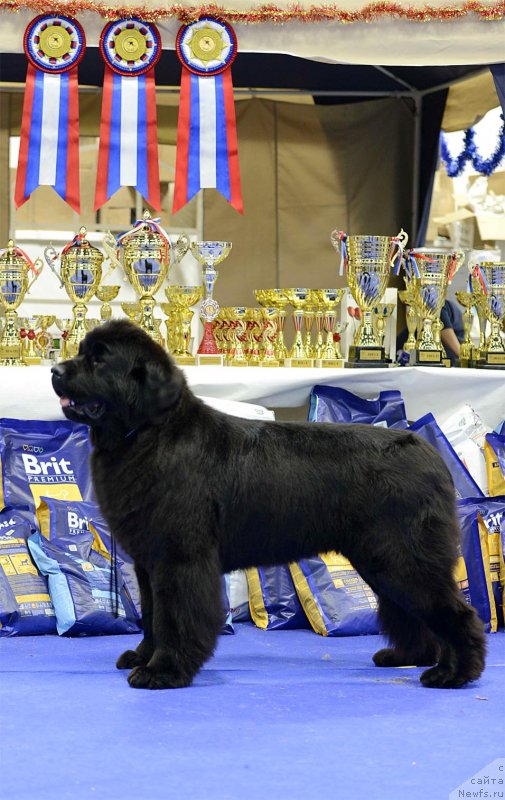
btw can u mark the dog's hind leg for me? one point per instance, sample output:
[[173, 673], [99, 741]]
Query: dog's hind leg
[[463, 641], [433, 605], [187, 618], [143, 652], [413, 644]]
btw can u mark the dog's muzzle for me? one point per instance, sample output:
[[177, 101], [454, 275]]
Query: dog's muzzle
[[92, 409]]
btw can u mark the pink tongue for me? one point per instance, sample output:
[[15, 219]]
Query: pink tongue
[[64, 402]]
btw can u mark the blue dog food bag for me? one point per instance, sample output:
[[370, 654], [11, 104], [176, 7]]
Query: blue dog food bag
[[273, 600], [43, 458], [473, 572], [428, 428], [59, 517], [25, 605], [494, 453], [335, 598], [332, 404], [491, 521], [87, 598]]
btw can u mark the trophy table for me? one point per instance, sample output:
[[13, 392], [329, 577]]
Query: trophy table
[[14, 284], [80, 273]]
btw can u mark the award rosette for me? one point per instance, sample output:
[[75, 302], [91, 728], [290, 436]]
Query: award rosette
[[207, 151], [49, 147], [128, 154]]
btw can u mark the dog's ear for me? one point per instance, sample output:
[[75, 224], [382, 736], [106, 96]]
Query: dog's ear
[[161, 388]]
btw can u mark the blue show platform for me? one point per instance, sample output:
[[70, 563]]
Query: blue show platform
[[280, 715]]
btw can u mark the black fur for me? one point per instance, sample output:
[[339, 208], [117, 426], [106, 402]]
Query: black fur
[[191, 493]]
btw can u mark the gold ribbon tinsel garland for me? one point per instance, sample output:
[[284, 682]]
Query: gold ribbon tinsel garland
[[267, 12]]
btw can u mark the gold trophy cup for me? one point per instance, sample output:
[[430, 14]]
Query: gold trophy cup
[[491, 276], [300, 299], [328, 351], [368, 261], [467, 300], [275, 298], [15, 267], [428, 275], [106, 294], [80, 273], [180, 300], [147, 255]]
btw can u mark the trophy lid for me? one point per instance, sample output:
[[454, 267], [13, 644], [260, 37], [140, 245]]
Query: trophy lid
[[146, 233], [80, 249], [14, 258]]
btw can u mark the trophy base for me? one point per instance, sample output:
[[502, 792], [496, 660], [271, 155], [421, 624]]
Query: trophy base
[[367, 357], [299, 362], [491, 361], [330, 363], [237, 362], [185, 361], [32, 360], [272, 363], [209, 360], [428, 358], [12, 362]]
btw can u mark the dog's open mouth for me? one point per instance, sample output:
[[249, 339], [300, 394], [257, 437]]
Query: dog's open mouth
[[92, 409]]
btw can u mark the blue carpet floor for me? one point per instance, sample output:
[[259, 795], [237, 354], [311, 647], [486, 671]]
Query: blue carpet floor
[[284, 715]]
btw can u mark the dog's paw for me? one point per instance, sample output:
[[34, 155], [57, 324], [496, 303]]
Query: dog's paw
[[130, 659], [385, 658], [389, 657], [145, 678], [442, 678]]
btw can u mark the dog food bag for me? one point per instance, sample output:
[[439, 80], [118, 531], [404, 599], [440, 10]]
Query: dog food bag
[[474, 575], [494, 453], [335, 598], [467, 434], [491, 514], [428, 428], [61, 518], [239, 596], [332, 404], [25, 605], [43, 458], [273, 599], [86, 597]]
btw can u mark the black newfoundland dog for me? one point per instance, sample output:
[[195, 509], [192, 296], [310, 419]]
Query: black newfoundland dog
[[191, 493]]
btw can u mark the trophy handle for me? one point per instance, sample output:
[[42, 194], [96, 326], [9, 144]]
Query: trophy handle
[[460, 258], [181, 247], [51, 256], [400, 240], [110, 246], [36, 272], [336, 238]]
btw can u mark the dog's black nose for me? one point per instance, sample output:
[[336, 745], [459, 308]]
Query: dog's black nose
[[58, 370]]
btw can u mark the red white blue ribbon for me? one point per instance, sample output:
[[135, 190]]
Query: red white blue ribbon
[[128, 154], [207, 148], [153, 224], [49, 146]]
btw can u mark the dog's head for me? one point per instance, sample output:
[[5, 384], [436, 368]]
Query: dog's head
[[120, 380]]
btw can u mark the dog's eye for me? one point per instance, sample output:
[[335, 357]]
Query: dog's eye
[[98, 353]]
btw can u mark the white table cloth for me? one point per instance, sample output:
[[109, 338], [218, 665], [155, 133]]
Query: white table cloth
[[26, 393]]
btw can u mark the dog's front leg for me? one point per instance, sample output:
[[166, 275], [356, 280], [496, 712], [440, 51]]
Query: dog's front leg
[[187, 618], [143, 652]]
